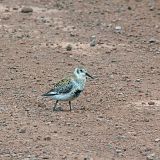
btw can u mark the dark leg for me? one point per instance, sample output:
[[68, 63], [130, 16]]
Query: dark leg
[[54, 108], [70, 105]]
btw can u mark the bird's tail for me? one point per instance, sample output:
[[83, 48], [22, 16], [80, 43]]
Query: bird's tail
[[45, 94], [49, 94]]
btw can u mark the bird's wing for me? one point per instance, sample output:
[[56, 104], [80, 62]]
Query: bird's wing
[[62, 87]]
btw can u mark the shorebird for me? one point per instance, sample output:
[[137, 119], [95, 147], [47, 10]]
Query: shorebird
[[69, 88]]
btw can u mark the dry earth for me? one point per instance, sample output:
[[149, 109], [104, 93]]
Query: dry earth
[[118, 115]]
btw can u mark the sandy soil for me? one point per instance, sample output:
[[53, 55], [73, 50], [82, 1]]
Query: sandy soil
[[118, 115]]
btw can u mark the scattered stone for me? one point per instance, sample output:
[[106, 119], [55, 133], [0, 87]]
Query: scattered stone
[[113, 61], [152, 8], [69, 47], [100, 116], [88, 100], [152, 40], [64, 157], [41, 105], [69, 132], [45, 157], [26, 10], [146, 120], [129, 8], [145, 151], [93, 41], [19, 35], [151, 103], [118, 151], [88, 158], [118, 29], [151, 156], [138, 80], [6, 17], [15, 8], [157, 140], [47, 138], [22, 130]]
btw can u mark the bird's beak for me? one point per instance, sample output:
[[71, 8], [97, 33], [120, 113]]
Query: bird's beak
[[89, 75]]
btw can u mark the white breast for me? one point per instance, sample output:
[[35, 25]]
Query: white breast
[[63, 97]]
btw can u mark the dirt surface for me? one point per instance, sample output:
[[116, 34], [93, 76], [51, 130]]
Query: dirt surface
[[118, 115]]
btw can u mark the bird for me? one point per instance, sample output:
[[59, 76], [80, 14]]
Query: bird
[[70, 88]]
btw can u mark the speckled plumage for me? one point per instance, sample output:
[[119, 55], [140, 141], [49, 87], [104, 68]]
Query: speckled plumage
[[70, 88]]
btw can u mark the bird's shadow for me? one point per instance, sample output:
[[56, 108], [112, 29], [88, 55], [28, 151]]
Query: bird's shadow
[[60, 109]]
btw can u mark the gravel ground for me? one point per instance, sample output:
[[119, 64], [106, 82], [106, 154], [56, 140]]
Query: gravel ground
[[118, 115]]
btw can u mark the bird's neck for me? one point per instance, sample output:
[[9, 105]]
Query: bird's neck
[[81, 82]]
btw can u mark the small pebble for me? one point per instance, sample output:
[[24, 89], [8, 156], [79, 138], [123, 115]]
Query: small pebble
[[151, 103], [100, 116], [45, 157], [93, 41], [138, 80], [118, 29], [26, 10], [68, 47], [129, 8], [47, 138], [152, 8], [157, 140], [15, 8], [152, 40], [151, 156], [22, 130], [118, 150]]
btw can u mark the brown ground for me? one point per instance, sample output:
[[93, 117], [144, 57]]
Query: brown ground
[[118, 115]]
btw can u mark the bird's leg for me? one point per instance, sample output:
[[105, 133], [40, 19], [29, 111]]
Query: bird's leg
[[70, 105], [54, 108]]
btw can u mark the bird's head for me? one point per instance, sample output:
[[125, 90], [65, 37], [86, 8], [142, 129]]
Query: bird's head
[[81, 73]]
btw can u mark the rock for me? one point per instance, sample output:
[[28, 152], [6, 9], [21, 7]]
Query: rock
[[152, 8], [118, 151], [47, 138], [68, 47], [15, 8], [151, 156], [19, 35], [129, 8], [22, 130], [45, 157], [152, 40], [157, 140], [88, 100], [100, 116], [6, 17], [138, 80], [93, 41], [64, 157], [118, 29], [26, 10], [151, 103], [145, 151]]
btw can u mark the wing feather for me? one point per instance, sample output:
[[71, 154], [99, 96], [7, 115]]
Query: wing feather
[[62, 87]]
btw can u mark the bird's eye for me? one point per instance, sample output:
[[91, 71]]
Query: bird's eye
[[80, 70]]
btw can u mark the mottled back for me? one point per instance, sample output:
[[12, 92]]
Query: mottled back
[[62, 87]]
